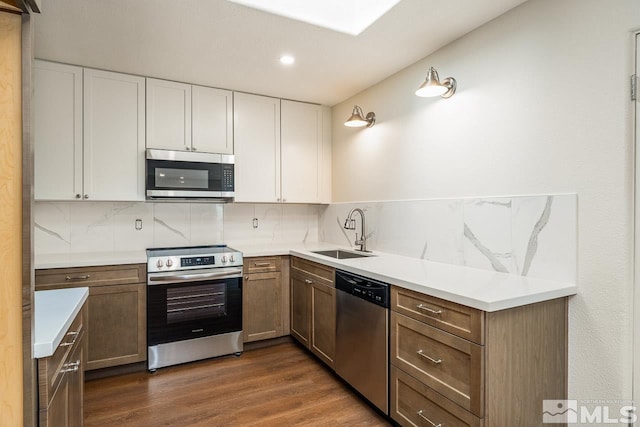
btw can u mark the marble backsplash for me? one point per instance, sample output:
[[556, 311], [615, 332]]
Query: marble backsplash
[[527, 235], [73, 227], [532, 236]]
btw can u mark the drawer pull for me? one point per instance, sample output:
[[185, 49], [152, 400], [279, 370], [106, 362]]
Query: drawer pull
[[83, 277], [71, 367], [73, 341], [421, 415], [429, 310], [308, 281], [430, 359], [262, 264]]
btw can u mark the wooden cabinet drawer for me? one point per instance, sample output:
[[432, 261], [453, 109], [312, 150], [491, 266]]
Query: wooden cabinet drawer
[[90, 276], [460, 320], [450, 365], [51, 369], [415, 404], [261, 265], [319, 270]]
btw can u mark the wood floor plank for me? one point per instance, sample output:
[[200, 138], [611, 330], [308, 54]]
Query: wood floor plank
[[281, 385]]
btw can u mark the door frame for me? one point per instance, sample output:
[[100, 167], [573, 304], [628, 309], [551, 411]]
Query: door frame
[[635, 112]]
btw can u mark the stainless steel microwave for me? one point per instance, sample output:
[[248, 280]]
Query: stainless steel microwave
[[185, 175]]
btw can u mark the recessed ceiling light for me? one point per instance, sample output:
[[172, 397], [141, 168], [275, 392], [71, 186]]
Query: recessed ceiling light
[[287, 59], [346, 16]]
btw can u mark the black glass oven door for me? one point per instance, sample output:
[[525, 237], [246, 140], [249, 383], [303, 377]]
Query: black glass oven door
[[183, 311]]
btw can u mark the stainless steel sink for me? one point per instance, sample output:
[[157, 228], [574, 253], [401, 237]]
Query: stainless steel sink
[[340, 254]]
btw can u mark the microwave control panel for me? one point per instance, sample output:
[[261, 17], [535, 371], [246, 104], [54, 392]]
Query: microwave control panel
[[227, 178]]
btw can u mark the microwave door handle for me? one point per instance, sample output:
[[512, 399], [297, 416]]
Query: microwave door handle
[[181, 278]]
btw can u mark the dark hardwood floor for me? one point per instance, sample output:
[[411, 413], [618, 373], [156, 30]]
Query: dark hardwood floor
[[280, 385]]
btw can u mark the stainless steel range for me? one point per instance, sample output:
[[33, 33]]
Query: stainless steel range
[[194, 304]]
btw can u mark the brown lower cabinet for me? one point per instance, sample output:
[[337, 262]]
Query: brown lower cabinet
[[265, 298], [116, 327], [453, 365], [61, 379], [313, 308]]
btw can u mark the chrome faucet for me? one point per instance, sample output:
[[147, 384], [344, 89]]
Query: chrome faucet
[[350, 224]]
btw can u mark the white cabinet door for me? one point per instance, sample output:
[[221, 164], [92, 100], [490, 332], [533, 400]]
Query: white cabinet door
[[212, 120], [301, 152], [114, 106], [168, 115], [256, 129], [57, 131]]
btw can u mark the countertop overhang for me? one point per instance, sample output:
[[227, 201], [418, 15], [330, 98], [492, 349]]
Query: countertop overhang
[[54, 312]]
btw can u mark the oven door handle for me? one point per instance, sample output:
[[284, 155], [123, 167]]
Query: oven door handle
[[181, 278]]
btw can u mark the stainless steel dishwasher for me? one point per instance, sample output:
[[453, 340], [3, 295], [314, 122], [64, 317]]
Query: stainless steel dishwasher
[[362, 336]]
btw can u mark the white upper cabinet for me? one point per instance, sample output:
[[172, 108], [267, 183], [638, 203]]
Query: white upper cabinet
[[168, 115], [181, 116], [88, 146], [212, 120], [301, 150], [57, 131], [257, 148], [114, 136]]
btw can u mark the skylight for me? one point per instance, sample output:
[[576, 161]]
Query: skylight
[[346, 16]]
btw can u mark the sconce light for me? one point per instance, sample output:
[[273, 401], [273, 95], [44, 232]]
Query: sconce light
[[432, 86], [358, 119]]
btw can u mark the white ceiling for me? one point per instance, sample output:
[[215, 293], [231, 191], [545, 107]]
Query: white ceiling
[[223, 44]]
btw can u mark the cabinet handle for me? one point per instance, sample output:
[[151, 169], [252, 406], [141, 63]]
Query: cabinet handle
[[278, 199], [83, 277], [262, 264], [308, 281], [71, 367], [421, 415], [73, 341], [428, 310], [194, 149], [86, 196], [430, 359], [246, 278], [284, 200], [78, 196]]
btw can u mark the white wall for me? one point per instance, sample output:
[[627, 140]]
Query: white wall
[[542, 107]]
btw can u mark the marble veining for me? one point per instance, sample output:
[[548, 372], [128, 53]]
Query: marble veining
[[532, 246], [495, 263], [50, 232], [170, 228], [533, 236]]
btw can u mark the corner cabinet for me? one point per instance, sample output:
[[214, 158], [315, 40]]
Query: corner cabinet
[[61, 378], [459, 366], [186, 117], [282, 150], [117, 307], [313, 308], [89, 134]]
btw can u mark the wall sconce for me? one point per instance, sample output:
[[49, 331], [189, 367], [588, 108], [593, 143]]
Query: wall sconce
[[358, 119], [432, 86]]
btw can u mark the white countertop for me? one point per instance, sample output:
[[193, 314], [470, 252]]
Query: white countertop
[[481, 289], [54, 312], [89, 259]]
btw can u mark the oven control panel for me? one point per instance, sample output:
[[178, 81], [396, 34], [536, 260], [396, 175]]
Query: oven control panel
[[192, 262], [197, 261]]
